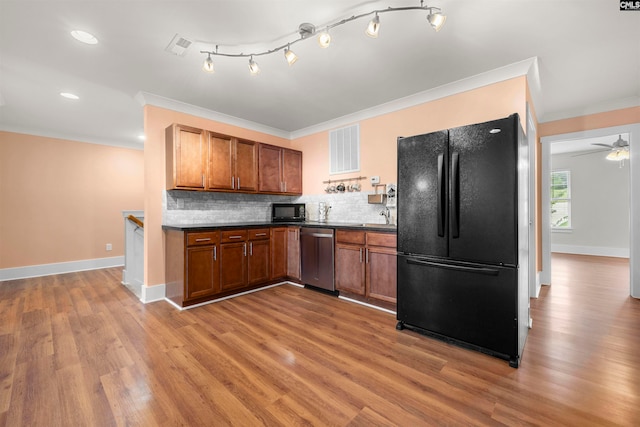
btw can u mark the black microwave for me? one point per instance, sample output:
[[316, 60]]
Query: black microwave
[[287, 212]]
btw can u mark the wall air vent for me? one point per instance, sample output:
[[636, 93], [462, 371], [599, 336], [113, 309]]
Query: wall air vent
[[178, 45]]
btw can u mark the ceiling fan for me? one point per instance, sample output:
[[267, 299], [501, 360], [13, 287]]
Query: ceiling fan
[[618, 150]]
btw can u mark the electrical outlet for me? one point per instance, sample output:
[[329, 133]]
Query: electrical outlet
[[375, 180], [109, 247]]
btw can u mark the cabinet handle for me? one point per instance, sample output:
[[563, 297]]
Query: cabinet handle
[[215, 253], [366, 257], [244, 250], [235, 237], [238, 183], [285, 186], [233, 183], [203, 180], [203, 240], [250, 248], [261, 234], [360, 255]]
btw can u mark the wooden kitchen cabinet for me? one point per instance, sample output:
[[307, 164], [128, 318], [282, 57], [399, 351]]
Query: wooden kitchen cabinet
[[293, 252], [279, 244], [186, 152], [366, 264], [232, 164], [192, 267], [279, 170], [259, 256], [350, 266]]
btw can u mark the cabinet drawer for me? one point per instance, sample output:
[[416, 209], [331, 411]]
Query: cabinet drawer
[[388, 240], [203, 238], [234, 236], [258, 233], [350, 236]]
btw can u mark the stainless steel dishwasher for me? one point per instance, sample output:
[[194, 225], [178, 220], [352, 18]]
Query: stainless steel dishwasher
[[316, 254]]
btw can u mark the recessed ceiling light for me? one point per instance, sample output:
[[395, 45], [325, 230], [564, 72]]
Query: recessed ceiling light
[[69, 95], [84, 37]]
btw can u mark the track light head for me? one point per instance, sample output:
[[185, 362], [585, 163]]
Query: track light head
[[207, 67], [436, 20], [324, 39], [290, 56], [374, 27], [253, 67]]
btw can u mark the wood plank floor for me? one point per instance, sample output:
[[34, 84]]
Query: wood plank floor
[[80, 350]]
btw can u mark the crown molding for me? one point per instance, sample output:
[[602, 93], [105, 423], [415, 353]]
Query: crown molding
[[72, 137], [146, 98], [527, 67]]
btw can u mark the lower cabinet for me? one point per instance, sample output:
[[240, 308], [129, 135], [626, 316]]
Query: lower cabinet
[[293, 252], [279, 252], [366, 265], [259, 256]]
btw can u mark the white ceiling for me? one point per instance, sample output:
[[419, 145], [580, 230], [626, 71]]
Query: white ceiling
[[588, 55]]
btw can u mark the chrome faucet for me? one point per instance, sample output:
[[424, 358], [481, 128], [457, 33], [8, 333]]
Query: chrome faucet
[[385, 212]]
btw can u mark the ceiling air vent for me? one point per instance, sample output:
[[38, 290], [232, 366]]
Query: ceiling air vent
[[178, 45]]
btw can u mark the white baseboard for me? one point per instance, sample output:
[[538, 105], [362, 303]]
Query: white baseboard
[[152, 293], [59, 268], [591, 250]]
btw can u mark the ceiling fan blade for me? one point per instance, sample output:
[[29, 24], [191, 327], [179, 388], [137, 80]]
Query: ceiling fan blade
[[589, 152], [603, 145]]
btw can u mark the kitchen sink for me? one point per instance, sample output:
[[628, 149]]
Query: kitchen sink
[[377, 225]]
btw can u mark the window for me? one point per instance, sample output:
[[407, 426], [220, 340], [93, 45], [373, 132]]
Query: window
[[344, 150], [561, 200]]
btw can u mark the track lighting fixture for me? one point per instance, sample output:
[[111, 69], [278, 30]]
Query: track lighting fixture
[[305, 30], [373, 27]]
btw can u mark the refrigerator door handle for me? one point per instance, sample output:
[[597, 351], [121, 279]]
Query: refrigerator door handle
[[455, 196], [478, 270], [440, 195]]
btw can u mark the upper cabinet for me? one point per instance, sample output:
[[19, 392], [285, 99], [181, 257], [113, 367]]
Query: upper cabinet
[[280, 170], [203, 160], [232, 165], [186, 157]]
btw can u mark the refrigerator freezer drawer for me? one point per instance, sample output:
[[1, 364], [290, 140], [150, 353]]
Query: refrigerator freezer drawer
[[473, 304]]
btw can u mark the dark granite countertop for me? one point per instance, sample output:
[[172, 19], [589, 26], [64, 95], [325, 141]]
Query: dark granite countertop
[[316, 224]]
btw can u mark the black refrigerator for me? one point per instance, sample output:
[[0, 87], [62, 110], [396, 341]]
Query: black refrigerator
[[462, 209]]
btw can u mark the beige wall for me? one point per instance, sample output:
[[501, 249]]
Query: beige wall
[[63, 200], [378, 135], [589, 122]]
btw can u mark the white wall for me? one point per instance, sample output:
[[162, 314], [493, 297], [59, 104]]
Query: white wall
[[599, 206]]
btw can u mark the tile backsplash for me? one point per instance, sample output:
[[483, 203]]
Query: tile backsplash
[[195, 207]]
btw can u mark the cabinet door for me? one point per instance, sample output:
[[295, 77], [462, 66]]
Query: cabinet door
[[279, 240], [246, 165], [258, 260], [293, 252], [350, 269], [292, 171], [381, 273], [270, 169], [186, 154], [202, 272], [233, 265], [220, 172]]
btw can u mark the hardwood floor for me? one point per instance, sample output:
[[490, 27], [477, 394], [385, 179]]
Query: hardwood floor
[[80, 350]]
